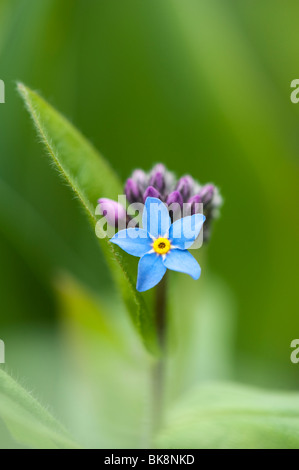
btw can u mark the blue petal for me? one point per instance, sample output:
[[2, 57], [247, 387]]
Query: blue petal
[[182, 261], [150, 271], [155, 218], [184, 231], [134, 241]]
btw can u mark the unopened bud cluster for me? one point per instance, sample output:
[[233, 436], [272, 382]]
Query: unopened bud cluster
[[162, 184]]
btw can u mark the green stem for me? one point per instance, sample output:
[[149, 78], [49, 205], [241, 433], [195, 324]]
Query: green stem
[[159, 367]]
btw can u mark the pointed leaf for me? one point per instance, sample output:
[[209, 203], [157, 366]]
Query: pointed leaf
[[90, 177]]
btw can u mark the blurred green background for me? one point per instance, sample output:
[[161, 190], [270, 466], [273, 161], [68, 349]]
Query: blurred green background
[[202, 86]]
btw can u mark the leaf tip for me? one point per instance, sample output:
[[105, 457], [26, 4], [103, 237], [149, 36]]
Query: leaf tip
[[22, 90], [21, 87]]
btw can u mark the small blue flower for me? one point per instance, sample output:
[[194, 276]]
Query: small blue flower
[[160, 244]]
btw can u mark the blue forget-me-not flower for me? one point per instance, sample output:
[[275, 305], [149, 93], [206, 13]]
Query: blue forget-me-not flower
[[162, 184], [160, 244]]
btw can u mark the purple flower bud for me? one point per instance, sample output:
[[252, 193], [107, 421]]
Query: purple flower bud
[[206, 193], [151, 192], [157, 180], [193, 204], [112, 211], [175, 198], [159, 168], [132, 191], [140, 177], [185, 185]]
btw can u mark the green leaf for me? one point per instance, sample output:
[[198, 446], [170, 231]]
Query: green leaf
[[225, 416], [28, 422], [90, 177], [111, 367]]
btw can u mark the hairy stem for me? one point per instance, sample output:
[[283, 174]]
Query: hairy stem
[[159, 367]]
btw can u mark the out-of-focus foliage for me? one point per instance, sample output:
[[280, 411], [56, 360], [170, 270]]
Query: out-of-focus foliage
[[114, 397], [203, 86], [232, 417], [28, 422]]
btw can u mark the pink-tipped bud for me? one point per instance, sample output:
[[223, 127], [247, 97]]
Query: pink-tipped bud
[[132, 191], [175, 198], [112, 211], [140, 177], [158, 168], [194, 204], [206, 193], [151, 192], [185, 185], [157, 180]]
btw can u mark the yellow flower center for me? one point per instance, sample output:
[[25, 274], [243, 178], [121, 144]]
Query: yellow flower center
[[161, 246]]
